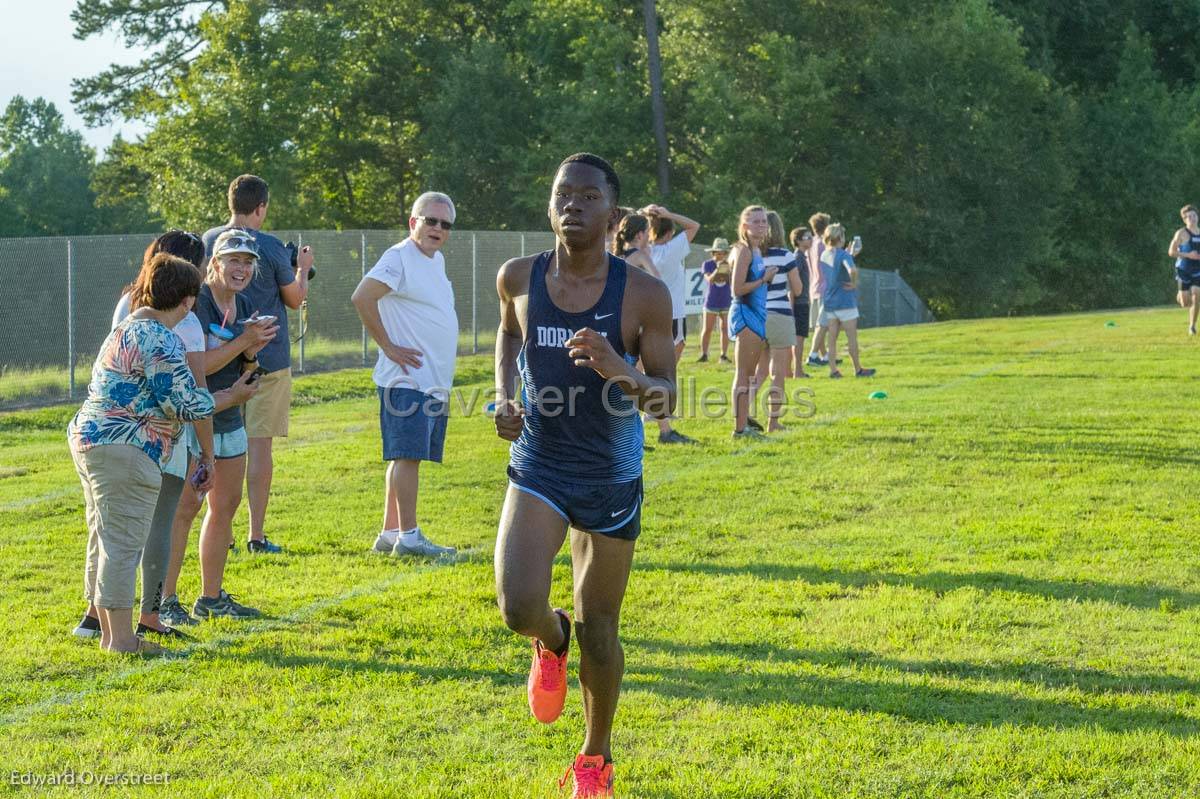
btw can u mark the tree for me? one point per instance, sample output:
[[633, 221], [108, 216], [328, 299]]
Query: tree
[[656, 97], [45, 170]]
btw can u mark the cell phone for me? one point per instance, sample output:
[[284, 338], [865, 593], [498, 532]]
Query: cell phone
[[857, 243], [199, 477], [256, 320], [257, 373]]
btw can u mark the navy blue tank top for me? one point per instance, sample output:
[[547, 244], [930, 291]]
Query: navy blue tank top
[[1186, 266], [576, 427]]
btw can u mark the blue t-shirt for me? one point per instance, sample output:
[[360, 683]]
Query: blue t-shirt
[[274, 270], [835, 270], [208, 313]]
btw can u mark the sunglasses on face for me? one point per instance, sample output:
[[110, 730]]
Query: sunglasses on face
[[433, 221]]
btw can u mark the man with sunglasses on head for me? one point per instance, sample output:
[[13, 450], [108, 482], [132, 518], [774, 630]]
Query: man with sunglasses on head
[[275, 287], [407, 305]]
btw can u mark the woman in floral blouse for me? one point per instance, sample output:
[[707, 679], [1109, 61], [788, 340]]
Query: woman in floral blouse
[[140, 395]]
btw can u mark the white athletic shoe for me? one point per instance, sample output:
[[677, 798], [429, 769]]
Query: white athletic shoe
[[384, 543], [422, 547]]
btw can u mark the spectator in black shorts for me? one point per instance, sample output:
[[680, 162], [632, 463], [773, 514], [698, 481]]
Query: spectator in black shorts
[[801, 238]]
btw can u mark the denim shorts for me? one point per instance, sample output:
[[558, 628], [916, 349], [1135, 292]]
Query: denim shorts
[[412, 424], [230, 445]]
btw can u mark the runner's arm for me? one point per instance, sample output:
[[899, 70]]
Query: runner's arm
[[508, 336], [654, 391]]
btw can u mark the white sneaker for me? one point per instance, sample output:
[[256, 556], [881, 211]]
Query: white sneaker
[[384, 543], [422, 547]]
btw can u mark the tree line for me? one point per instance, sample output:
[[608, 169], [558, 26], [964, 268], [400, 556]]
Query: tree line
[[1008, 156]]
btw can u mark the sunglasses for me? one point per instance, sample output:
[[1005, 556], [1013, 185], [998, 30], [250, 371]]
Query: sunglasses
[[237, 242], [185, 233], [433, 221]]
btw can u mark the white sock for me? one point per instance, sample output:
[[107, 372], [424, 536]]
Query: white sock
[[389, 536], [411, 536]]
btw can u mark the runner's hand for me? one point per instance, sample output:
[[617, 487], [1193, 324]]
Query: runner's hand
[[589, 348], [510, 420]]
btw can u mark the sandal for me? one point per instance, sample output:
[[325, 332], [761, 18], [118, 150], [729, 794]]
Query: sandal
[[834, 374]]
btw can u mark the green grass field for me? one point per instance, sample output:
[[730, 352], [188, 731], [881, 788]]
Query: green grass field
[[984, 585]]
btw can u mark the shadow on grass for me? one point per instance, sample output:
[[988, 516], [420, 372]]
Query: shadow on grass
[[1087, 680], [766, 687], [1137, 596]]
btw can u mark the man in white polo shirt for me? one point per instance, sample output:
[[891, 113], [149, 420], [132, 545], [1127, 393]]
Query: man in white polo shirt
[[668, 250], [407, 305]]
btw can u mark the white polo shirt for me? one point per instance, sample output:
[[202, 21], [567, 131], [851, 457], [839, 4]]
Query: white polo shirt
[[668, 259], [418, 312]]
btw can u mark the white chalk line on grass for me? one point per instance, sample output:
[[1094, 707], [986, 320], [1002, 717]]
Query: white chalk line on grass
[[269, 625], [25, 502], [243, 631]]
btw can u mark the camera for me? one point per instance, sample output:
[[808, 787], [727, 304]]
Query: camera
[[294, 252]]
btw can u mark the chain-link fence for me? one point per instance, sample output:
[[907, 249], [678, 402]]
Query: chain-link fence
[[57, 296]]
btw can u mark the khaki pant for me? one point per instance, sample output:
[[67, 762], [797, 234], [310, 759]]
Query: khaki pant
[[120, 490]]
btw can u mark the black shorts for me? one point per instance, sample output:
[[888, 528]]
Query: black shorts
[[614, 509], [800, 312], [679, 329], [1188, 283]]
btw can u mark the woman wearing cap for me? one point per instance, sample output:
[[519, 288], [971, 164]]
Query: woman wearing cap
[[748, 313], [123, 437], [717, 297], [234, 341]]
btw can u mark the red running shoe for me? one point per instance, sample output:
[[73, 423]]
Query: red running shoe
[[592, 777], [547, 686]]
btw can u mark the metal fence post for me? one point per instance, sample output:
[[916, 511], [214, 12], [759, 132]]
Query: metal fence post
[[878, 291], [522, 245], [474, 294], [364, 274], [70, 321], [303, 310]]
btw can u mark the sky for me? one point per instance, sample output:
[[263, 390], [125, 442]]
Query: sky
[[39, 56]]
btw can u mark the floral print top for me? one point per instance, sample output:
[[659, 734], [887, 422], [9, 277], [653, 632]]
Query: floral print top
[[141, 392]]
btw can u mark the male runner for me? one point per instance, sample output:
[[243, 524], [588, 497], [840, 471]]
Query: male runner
[[574, 321], [1185, 249]]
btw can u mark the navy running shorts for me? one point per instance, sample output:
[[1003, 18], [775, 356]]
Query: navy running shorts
[[611, 509]]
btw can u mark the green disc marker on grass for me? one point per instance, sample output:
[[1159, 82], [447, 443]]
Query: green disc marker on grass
[[1110, 323], [878, 395]]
